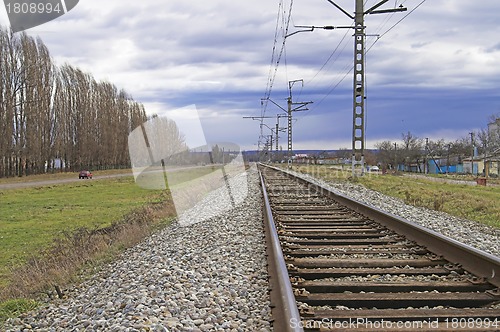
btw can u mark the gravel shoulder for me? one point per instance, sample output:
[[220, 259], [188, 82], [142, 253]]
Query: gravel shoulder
[[208, 276]]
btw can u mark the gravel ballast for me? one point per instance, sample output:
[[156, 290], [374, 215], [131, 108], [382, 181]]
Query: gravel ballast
[[472, 233], [207, 276]]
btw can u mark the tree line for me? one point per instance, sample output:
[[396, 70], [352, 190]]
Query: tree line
[[58, 117], [414, 149], [412, 152]]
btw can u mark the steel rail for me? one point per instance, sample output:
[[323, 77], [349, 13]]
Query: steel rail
[[474, 260], [286, 316]]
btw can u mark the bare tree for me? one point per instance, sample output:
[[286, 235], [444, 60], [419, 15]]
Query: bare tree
[[50, 113], [412, 149], [386, 154]]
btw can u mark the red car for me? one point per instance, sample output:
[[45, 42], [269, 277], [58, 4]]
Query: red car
[[85, 175]]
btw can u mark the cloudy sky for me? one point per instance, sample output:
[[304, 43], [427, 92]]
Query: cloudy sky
[[436, 73]]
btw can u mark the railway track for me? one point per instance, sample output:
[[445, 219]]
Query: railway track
[[339, 265]]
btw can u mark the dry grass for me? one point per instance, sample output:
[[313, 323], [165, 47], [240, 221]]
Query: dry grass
[[477, 203], [58, 265]]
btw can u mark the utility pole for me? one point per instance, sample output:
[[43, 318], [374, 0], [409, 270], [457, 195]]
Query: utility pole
[[472, 153], [396, 156], [426, 157], [273, 131], [270, 143], [448, 159], [269, 137], [358, 128], [277, 135]]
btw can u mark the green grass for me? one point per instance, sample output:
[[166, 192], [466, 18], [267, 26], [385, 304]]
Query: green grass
[[13, 308], [32, 218], [476, 203]]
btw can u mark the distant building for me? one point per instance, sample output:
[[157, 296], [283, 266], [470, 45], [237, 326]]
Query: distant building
[[302, 158], [492, 160], [492, 164], [330, 161]]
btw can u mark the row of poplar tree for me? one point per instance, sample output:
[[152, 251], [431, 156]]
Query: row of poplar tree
[[58, 117]]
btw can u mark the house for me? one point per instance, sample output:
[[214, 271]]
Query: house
[[474, 165], [486, 165], [492, 162]]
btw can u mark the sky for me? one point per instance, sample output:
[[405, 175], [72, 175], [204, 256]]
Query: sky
[[435, 73]]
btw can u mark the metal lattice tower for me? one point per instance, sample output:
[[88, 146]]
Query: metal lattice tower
[[358, 131], [291, 107], [358, 127], [289, 127], [300, 106]]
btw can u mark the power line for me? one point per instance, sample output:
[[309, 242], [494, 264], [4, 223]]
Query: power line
[[397, 23], [334, 86], [268, 86], [284, 27], [331, 55], [270, 79], [359, 98]]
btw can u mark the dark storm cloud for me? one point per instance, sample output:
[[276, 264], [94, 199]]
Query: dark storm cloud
[[439, 63]]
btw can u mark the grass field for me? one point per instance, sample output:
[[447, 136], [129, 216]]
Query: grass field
[[32, 218], [478, 203], [55, 218]]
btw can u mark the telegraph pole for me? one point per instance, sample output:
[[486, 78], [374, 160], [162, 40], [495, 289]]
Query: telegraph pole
[[426, 157], [358, 128], [396, 156], [472, 153]]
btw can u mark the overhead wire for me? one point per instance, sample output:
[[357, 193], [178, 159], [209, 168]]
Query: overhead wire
[[270, 78], [334, 86], [287, 25], [397, 23], [276, 59], [347, 69], [273, 53], [332, 54], [284, 28]]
